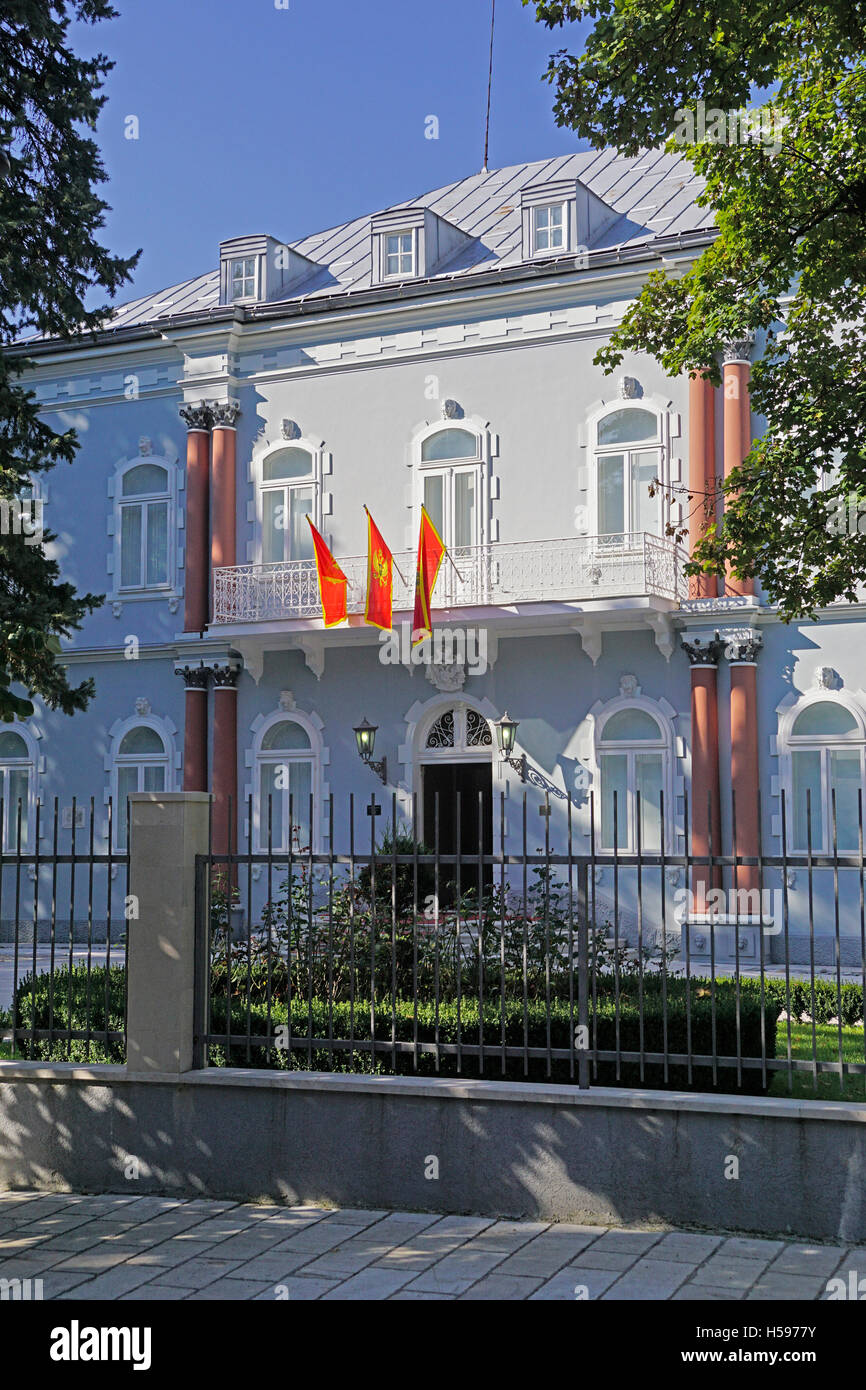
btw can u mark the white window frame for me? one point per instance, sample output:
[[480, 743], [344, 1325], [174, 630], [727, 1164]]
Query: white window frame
[[664, 745], [273, 756], [548, 208], [253, 294], [321, 463], [30, 765], [598, 451], [169, 760], [823, 744], [448, 469], [400, 274], [172, 589]]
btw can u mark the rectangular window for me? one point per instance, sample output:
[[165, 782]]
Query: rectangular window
[[644, 508], [614, 784], [648, 782], [285, 532], [130, 547], [127, 783], [548, 228], [400, 254], [807, 810], [157, 543], [243, 278], [845, 783], [17, 791], [611, 495], [277, 783]]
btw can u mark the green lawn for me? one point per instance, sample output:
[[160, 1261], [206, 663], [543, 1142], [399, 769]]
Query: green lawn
[[827, 1041]]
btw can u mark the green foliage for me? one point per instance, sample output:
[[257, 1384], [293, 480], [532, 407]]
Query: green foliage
[[50, 260], [75, 1002], [524, 1026], [789, 259]]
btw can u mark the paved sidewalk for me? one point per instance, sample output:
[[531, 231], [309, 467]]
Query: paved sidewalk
[[134, 1248]]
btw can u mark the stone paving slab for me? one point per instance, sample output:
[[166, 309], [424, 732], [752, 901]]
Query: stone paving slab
[[130, 1249]]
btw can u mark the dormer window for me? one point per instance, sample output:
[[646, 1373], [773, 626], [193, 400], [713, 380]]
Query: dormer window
[[243, 278], [410, 243], [549, 228], [400, 254]]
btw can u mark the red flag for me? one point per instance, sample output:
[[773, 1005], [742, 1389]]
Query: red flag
[[431, 552], [332, 582], [380, 564]]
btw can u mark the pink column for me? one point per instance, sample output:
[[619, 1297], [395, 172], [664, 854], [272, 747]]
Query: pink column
[[742, 653], [195, 679], [197, 528], [224, 485], [225, 756], [706, 819], [737, 426], [702, 474]]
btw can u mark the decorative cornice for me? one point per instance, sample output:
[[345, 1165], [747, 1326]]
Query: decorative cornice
[[225, 413], [196, 416], [739, 349], [702, 651]]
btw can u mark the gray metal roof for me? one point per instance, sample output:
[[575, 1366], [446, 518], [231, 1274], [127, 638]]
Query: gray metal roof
[[654, 194]]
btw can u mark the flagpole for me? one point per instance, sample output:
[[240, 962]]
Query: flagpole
[[393, 561], [452, 564]]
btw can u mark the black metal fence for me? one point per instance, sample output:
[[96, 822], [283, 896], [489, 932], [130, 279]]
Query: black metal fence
[[64, 896], [558, 961]]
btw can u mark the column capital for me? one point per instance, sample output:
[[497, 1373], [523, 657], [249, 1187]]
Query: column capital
[[742, 645], [196, 415], [225, 677], [738, 349], [225, 413], [194, 677], [702, 650]]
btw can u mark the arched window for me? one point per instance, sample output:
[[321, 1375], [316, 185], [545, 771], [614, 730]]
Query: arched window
[[451, 485], [146, 526], [826, 745], [16, 788], [628, 456], [633, 755], [288, 487], [284, 784], [141, 764]]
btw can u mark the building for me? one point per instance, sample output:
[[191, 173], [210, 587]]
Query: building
[[439, 352]]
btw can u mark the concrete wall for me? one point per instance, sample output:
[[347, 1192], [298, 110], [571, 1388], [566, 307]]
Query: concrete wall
[[506, 1149]]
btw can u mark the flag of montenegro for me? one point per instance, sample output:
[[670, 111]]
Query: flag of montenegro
[[332, 582], [431, 552], [380, 565]]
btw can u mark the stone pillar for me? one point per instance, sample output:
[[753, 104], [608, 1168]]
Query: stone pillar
[[224, 484], [225, 755], [742, 653], [737, 425], [167, 831], [195, 680], [197, 526], [702, 475], [706, 817]]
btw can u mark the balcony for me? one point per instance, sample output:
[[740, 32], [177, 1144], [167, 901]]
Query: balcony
[[578, 570]]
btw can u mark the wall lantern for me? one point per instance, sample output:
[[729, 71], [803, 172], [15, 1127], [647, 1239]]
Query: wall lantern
[[365, 738], [506, 733]]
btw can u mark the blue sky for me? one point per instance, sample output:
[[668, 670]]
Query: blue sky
[[258, 119]]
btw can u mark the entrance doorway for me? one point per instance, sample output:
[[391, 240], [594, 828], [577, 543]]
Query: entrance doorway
[[460, 797]]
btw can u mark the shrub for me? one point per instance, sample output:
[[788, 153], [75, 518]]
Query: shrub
[[524, 1027], [79, 1004]]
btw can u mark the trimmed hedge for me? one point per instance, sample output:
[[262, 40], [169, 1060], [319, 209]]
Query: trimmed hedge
[[34, 996], [529, 1027], [84, 1004]]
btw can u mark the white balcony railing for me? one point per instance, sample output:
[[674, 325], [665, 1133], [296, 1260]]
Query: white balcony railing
[[575, 570]]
